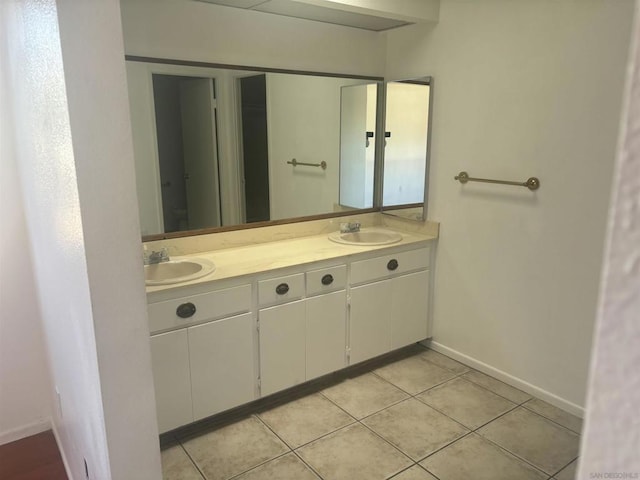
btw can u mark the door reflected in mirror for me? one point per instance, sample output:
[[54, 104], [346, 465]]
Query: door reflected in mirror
[[215, 147], [406, 152], [187, 151]]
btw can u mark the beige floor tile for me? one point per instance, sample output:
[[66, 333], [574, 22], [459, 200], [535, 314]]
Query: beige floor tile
[[306, 419], [414, 375], [537, 440], [475, 458], [414, 473], [234, 449], [176, 465], [287, 467], [466, 402], [444, 361], [363, 395], [554, 413], [568, 472], [415, 428], [496, 386], [353, 453]]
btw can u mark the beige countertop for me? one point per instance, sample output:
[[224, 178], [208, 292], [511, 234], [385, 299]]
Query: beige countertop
[[264, 257]]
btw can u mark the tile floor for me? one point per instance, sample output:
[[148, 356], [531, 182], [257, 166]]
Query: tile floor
[[422, 417]]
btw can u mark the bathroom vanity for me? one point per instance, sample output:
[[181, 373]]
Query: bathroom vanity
[[277, 314]]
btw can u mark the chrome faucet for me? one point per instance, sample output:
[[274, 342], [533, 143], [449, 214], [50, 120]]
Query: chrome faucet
[[156, 257], [349, 227]]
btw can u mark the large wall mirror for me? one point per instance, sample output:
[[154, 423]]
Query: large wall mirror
[[223, 147], [407, 147]]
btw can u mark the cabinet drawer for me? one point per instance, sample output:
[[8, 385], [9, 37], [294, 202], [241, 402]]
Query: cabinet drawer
[[389, 265], [198, 308], [326, 280], [281, 289]]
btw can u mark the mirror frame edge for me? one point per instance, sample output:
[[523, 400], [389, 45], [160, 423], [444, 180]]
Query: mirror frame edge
[[246, 226]]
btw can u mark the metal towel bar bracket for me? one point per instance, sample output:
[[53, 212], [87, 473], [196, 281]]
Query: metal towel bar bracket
[[295, 163], [532, 183]]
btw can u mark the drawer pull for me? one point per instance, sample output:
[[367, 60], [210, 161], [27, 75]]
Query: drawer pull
[[282, 289], [392, 265], [327, 279], [186, 310]]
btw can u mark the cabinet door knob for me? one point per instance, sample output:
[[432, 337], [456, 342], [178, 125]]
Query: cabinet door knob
[[392, 265], [282, 289], [186, 310], [327, 279]]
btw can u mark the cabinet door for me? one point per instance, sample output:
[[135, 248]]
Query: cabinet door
[[369, 321], [326, 333], [170, 363], [222, 375], [409, 308], [282, 346]]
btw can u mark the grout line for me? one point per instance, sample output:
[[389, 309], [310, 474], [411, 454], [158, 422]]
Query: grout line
[[445, 446], [494, 392], [515, 455], [355, 421], [450, 417], [409, 393], [321, 436], [369, 414], [383, 409], [550, 419], [446, 368], [387, 441], [575, 459], [334, 403], [308, 465], [429, 472], [268, 427], [259, 465], [193, 462], [496, 418]]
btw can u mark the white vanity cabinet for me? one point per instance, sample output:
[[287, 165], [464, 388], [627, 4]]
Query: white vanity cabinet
[[172, 379], [306, 337], [282, 347], [221, 361], [388, 305], [206, 363], [326, 335], [216, 348]]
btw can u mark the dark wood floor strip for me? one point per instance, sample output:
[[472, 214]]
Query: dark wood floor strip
[[31, 458]]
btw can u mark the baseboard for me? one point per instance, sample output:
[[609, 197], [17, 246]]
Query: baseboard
[[25, 431], [516, 382], [61, 450]]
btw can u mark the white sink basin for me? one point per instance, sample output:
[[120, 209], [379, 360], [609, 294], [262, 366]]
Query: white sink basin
[[367, 236], [177, 270]]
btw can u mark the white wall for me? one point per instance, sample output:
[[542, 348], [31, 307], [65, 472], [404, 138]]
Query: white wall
[[212, 33], [25, 388], [303, 122], [611, 441], [76, 166], [521, 89]]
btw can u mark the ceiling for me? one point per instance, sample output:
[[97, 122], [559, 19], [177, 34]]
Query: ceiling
[[331, 13]]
